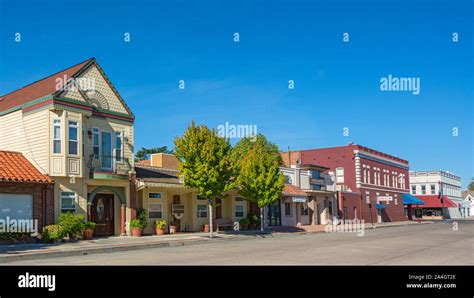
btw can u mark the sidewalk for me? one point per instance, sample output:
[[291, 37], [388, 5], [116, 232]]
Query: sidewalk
[[16, 252]]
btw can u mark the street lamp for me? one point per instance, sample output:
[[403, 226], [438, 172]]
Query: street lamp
[[440, 197]]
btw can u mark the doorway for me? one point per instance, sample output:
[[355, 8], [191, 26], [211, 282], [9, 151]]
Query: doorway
[[274, 214], [102, 214]]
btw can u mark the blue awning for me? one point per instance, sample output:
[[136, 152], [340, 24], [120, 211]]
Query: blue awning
[[380, 206], [409, 199]]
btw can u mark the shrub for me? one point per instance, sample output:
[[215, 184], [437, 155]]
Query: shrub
[[52, 233], [13, 236], [89, 225], [244, 221], [254, 219], [135, 223], [160, 224], [71, 224], [142, 216]]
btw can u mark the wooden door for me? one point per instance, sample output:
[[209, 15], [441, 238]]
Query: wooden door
[[103, 214]]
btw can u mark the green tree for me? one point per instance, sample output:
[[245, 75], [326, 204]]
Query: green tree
[[471, 185], [144, 153], [259, 178], [204, 163]]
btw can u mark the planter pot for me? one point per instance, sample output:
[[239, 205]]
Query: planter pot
[[160, 231], [173, 229], [136, 232], [87, 234], [206, 228]]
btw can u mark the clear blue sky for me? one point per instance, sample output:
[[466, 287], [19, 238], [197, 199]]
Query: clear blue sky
[[337, 84]]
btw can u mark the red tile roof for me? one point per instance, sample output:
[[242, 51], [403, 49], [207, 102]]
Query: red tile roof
[[38, 89], [434, 202], [14, 167], [291, 190]]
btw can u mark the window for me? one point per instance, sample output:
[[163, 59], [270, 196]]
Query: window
[[367, 199], [68, 203], [315, 175], [288, 179], [423, 189], [201, 211], [339, 175], [239, 199], [330, 207], [57, 136], [118, 146], [288, 209], [16, 206], [433, 189], [201, 198], [304, 209], [154, 195], [239, 211], [413, 189], [155, 210], [73, 137], [95, 143]]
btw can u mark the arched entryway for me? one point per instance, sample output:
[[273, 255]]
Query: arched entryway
[[100, 208]]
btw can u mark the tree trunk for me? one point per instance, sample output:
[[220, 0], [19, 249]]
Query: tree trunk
[[262, 220], [211, 228]]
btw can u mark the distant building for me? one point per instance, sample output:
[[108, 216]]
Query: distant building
[[370, 183], [427, 185], [468, 197]]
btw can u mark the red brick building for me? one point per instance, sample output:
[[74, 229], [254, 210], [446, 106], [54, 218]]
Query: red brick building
[[371, 183], [25, 193]]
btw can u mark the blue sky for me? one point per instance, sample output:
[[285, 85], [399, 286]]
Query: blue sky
[[337, 84]]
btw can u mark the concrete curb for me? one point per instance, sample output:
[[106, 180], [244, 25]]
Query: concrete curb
[[6, 258]]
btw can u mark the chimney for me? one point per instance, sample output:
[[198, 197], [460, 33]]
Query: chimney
[[289, 157]]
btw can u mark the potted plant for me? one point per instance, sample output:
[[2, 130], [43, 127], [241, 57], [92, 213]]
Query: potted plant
[[160, 227], [136, 227], [173, 228], [244, 223], [88, 230]]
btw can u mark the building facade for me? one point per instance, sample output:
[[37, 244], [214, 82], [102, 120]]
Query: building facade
[[161, 192], [308, 198], [370, 183], [75, 127], [25, 192], [427, 185]]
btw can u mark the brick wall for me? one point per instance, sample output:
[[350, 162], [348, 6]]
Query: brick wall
[[43, 199]]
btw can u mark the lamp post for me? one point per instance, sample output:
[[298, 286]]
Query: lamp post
[[442, 199]]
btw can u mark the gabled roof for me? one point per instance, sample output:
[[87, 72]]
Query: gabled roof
[[14, 167], [467, 193], [38, 89], [48, 87]]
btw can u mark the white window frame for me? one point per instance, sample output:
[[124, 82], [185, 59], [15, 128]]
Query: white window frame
[[423, 192], [57, 123], [119, 135], [154, 192], [96, 132], [199, 213], [413, 189], [339, 175], [235, 211], [62, 195], [76, 126], [150, 210]]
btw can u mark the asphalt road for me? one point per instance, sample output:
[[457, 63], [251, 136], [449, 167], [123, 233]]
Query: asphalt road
[[427, 244]]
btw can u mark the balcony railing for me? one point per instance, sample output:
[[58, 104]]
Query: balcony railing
[[319, 181], [108, 164]]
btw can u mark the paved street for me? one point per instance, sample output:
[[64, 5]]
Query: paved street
[[427, 244]]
